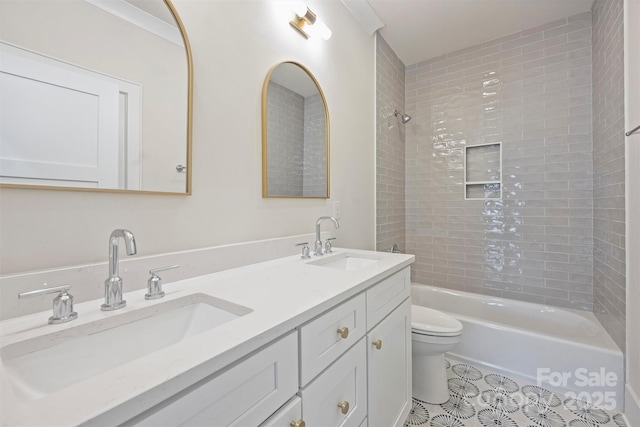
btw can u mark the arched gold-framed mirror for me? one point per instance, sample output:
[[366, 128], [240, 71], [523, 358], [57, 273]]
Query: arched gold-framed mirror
[[295, 134], [97, 96]]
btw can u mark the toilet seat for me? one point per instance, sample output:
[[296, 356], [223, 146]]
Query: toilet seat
[[426, 321]]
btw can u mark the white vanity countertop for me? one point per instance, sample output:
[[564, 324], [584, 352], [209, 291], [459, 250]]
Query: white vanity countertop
[[282, 294]]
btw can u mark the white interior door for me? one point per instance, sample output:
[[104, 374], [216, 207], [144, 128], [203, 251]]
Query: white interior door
[[57, 126]]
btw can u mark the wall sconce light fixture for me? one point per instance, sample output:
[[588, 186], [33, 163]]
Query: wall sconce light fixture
[[308, 24]]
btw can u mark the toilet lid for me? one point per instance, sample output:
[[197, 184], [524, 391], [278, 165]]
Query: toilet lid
[[427, 321]]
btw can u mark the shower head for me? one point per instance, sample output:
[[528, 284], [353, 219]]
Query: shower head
[[405, 118]]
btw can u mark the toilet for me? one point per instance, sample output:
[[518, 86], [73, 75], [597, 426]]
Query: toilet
[[433, 333]]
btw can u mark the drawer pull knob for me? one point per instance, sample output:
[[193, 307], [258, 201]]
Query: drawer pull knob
[[344, 407], [299, 423], [378, 344], [344, 332]]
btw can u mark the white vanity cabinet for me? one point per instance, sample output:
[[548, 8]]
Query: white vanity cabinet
[[350, 366], [372, 379]]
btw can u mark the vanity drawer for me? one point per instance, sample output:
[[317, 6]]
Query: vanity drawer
[[344, 383], [244, 395], [321, 342], [387, 295], [286, 416]]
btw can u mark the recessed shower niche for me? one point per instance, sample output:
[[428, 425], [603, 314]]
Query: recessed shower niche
[[483, 171]]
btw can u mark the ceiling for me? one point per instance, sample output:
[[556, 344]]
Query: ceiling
[[418, 30]]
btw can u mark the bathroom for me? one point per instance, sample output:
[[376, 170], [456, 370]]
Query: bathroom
[[234, 45]]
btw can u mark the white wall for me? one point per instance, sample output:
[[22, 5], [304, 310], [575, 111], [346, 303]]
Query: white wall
[[234, 43]]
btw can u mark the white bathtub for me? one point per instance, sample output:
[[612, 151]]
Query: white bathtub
[[563, 350]]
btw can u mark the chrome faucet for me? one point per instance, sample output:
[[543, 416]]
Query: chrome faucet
[[113, 285], [318, 245]]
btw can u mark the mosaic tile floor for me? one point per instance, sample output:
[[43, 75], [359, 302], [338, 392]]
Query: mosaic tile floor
[[479, 398]]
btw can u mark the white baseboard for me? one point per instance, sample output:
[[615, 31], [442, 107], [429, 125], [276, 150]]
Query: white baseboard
[[631, 407]]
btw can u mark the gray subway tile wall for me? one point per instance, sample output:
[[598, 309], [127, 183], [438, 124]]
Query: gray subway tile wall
[[530, 91], [297, 152], [609, 287], [315, 144], [390, 160], [286, 143]]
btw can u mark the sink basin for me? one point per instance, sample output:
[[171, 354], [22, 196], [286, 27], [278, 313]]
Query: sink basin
[[349, 262], [43, 365]]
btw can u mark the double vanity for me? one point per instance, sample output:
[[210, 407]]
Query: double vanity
[[324, 341]]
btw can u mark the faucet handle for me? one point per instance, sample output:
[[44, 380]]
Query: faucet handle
[[154, 284], [305, 250], [62, 304], [327, 245]]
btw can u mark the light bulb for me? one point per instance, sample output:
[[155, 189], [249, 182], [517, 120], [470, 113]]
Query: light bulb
[[323, 30], [319, 29]]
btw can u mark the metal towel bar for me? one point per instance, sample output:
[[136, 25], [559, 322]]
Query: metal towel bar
[[632, 131]]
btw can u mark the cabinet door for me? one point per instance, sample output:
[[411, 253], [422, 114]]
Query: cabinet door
[[389, 354], [338, 397], [244, 395]]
